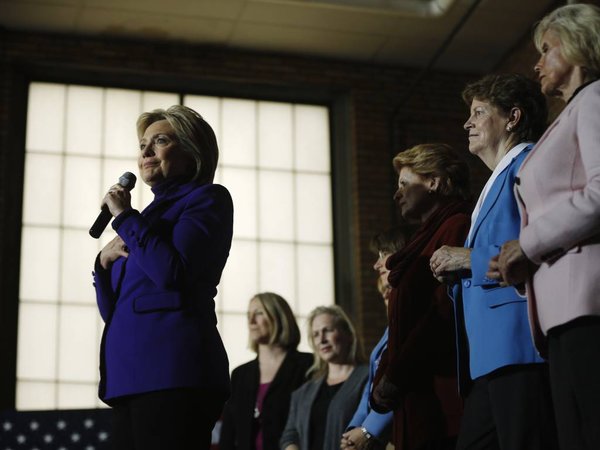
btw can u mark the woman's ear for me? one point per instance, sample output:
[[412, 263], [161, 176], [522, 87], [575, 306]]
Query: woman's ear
[[514, 117], [434, 184]]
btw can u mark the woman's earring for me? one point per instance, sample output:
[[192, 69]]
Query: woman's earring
[[508, 128]]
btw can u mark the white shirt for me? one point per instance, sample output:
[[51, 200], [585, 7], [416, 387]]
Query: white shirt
[[503, 164]]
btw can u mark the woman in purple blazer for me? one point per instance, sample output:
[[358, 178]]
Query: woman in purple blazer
[[558, 250], [163, 366]]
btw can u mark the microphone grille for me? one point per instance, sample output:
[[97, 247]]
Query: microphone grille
[[127, 180]]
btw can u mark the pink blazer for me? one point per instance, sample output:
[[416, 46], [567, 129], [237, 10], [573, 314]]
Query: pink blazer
[[559, 195]]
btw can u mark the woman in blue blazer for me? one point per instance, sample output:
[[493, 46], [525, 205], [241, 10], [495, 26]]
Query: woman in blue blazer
[[508, 404], [368, 428], [163, 366]]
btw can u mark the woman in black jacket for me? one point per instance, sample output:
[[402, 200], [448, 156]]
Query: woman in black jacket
[[256, 413]]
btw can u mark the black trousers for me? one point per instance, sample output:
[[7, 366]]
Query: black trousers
[[510, 409], [574, 357], [174, 419]]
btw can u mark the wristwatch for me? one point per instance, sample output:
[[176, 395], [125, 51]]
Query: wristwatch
[[366, 433]]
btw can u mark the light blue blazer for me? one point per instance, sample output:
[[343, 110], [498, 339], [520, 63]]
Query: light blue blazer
[[379, 425], [495, 317]]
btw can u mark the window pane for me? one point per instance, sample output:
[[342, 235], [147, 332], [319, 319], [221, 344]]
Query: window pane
[[234, 331], [239, 133], [45, 117], [242, 186], [95, 128], [303, 325], [312, 138], [35, 395], [78, 255], [78, 335], [278, 270], [156, 100], [42, 190], [209, 108], [81, 193], [37, 341], [84, 120], [77, 396], [313, 208], [239, 280], [276, 205], [40, 264], [275, 135], [120, 115], [314, 263]]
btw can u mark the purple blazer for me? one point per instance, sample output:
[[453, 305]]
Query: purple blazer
[[157, 304]]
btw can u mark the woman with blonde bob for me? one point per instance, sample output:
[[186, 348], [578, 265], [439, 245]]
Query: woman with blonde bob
[[322, 407], [256, 413], [558, 249], [416, 378]]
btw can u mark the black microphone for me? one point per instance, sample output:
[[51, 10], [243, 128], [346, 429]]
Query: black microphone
[[127, 180]]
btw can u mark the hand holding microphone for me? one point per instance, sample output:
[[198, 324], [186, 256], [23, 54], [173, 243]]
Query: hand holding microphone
[[116, 200]]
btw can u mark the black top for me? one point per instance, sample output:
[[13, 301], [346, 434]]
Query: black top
[[318, 414], [238, 429]]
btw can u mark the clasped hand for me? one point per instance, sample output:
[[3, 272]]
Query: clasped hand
[[511, 266], [446, 262], [354, 439]]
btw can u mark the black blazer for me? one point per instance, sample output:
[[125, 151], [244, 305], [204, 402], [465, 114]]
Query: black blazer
[[237, 431]]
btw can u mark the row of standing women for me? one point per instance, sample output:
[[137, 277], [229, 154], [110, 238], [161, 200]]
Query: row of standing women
[[529, 262], [525, 258], [273, 405]]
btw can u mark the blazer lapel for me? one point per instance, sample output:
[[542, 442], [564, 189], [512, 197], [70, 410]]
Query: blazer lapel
[[490, 201], [283, 371]]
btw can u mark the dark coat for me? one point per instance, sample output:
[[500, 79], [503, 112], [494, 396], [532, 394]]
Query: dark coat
[[421, 355], [238, 431]]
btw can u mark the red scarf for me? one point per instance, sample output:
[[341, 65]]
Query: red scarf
[[399, 262]]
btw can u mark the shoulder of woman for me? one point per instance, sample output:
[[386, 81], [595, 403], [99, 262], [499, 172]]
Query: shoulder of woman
[[457, 220], [589, 96], [304, 358], [362, 370], [453, 231], [250, 365], [211, 189]]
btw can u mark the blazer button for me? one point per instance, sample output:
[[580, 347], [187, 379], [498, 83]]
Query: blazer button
[[467, 283]]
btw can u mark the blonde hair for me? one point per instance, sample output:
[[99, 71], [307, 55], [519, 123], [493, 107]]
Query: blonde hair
[[343, 323], [437, 160], [578, 29], [284, 329], [194, 135]]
